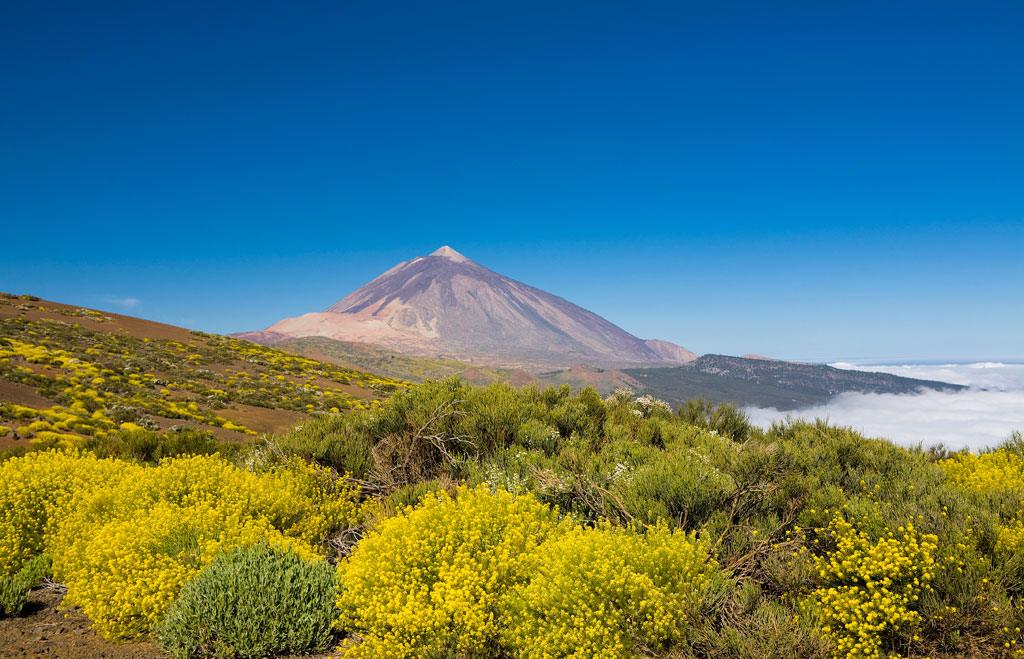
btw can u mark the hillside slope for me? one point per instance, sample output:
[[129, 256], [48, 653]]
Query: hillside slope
[[812, 378], [68, 373], [392, 364], [764, 382]]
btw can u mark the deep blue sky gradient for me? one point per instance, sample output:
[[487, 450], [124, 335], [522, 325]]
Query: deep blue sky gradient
[[814, 180]]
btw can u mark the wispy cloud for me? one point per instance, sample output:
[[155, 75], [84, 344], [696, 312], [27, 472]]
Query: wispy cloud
[[981, 416], [123, 302]]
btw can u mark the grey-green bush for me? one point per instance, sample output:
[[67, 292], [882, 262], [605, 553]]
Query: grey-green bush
[[254, 601], [14, 590], [150, 446], [724, 418]]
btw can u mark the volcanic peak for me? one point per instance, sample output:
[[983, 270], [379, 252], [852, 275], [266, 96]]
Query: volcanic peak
[[449, 253], [447, 304]]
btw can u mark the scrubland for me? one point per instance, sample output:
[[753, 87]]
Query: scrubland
[[494, 522], [448, 520]]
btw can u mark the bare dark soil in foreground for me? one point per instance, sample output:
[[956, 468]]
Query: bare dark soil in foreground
[[43, 630]]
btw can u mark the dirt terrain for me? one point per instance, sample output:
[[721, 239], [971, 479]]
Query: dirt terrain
[[43, 630]]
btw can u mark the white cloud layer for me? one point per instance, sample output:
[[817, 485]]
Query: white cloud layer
[[984, 375], [973, 418]]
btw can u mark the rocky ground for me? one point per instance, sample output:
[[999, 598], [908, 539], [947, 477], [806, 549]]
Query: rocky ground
[[43, 630]]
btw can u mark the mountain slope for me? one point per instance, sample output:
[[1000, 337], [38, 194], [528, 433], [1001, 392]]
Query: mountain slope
[[446, 304], [670, 351], [67, 374], [388, 363]]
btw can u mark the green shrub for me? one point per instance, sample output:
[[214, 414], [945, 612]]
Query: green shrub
[[254, 601], [150, 446], [582, 415], [683, 486], [331, 440], [14, 590], [410, 495], [498, 413], [535, 434], [724, 418], [759, 629]]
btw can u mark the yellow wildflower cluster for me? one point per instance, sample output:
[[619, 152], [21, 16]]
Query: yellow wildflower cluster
[[871, 587], [610, 593], [37, 493], [90, 389], [125, 537], [430, 581], [495, 573], [996, 471], [1011, 536]]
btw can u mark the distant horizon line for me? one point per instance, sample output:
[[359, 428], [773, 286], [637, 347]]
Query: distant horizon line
[[890, 361]]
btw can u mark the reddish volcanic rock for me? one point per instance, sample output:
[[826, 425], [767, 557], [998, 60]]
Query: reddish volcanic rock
[[670, 351]]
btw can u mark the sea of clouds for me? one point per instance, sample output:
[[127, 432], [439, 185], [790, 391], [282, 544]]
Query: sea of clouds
[[983, 415]]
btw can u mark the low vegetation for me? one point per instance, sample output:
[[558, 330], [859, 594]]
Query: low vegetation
[[100, 382], [235, 606], [451, 520], [14, 589]]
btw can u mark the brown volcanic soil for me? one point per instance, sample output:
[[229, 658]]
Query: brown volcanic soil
[[262, 419], [516, 377], [117, 323], [22, 394], [19, 394], [43, 630]]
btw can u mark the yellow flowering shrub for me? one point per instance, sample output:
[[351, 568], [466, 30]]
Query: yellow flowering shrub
[[37, 492], [127, 540], [996, 471], [1011, 536], [126, 573], [870, 588], [47, 439], [429, 582], [993, 473], [611, 593]]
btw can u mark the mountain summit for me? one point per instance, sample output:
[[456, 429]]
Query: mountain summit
[[447, 304], [448, 253]]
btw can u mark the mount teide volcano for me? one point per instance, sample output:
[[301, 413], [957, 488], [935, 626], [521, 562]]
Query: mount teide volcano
[[446, 304]]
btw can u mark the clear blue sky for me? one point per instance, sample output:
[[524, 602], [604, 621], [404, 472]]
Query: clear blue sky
[[812, 180]]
